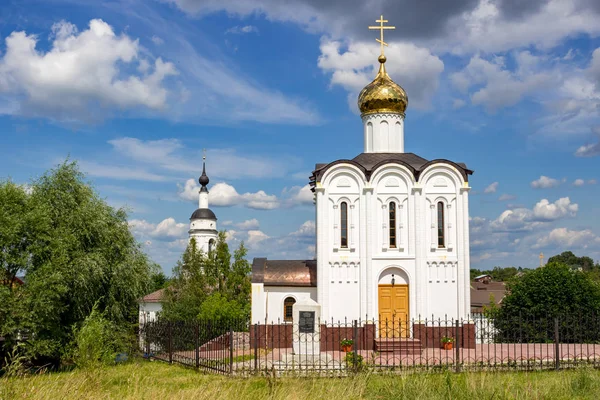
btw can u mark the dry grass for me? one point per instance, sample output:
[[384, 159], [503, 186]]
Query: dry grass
[[155, 380]]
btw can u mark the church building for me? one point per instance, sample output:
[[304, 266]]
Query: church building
[[392, 229]]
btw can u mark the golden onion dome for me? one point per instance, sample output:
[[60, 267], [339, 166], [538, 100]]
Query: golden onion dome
[[383, 95]]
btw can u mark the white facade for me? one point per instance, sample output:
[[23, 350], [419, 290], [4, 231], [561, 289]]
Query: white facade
[[148, 312], [387, 218], [268, 302], [348, 277]]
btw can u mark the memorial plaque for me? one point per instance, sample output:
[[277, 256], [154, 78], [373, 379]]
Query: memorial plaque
[[306, 322]]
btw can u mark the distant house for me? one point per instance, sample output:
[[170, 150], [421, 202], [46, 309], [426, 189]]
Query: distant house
[[484, 291], [150, 306], [483, 278]]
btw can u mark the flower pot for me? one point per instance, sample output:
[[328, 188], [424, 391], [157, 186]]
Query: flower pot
[[347, 348], [447, 346]]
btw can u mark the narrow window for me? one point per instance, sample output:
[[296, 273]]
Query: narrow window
[[288, 309], [344, 224], [392, 225], [440, 225], [211, 245]]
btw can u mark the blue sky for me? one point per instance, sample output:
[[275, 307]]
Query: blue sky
[[134, 90]]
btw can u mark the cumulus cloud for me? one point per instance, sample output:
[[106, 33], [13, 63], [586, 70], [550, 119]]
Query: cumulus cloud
[[578, 182], [249, 224], [224, 195], [495, 85], [524, 219], [354, 66], [81, 74], [545, 182], [166, 229], [298, 196], [568, 239], [546, 211], [491, 188]]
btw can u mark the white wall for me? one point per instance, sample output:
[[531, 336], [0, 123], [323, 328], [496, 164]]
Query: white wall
[[148, 312], [267, 301]]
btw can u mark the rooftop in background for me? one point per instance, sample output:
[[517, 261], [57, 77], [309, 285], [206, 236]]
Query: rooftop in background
[[154, 297], [284, 272]]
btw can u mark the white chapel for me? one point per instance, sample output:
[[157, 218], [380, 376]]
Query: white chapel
[[203, 222], [392, 229]]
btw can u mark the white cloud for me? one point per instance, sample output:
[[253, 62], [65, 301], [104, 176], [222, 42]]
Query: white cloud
[[255, 237], [592, 182], [166, 229], [224, 195], [497, 87], [412, 67], [524, 219], [298, 196], [546, 211], [578, 182], [157, 40], [458, 103], [507, 197], [307, 230], [81, 74], [544, 27], [568, 239], [240, 30], [491, 188], [119, 172], [592, 149], [250, 224], [171, 154], [545, 182]]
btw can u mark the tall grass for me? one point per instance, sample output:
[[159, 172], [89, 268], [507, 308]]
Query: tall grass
[[153, 380]]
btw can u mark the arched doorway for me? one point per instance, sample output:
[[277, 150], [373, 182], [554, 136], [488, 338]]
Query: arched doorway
[[394, 318]]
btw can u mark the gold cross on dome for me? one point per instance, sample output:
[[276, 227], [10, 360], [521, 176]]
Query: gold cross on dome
[[381, 27]]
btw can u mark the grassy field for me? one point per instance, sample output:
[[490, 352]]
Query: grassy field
[[155, 380]]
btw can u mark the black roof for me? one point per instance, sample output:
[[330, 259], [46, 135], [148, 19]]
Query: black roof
[[204, 213], [369, 162]]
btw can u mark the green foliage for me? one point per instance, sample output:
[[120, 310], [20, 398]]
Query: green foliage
[[354, 360], [574, 262], [209, 286], [159, 280], [539, 296], [447, 339], [75, 251], [498, 274], [346, 342], [97, 341]]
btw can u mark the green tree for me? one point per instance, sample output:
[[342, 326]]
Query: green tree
[[570, 259], [159, 280], [209, 285], [82, 255], [534, 300]]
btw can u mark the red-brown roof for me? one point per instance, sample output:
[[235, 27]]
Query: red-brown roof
[[154, 297]]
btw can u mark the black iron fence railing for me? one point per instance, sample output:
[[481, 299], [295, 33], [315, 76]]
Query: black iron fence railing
[[430, 344]]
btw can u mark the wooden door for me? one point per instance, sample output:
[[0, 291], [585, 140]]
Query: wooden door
[[393, 311]]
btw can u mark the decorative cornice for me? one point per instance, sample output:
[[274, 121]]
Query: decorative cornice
[[372, 115]]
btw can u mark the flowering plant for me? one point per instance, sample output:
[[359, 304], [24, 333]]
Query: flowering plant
[[347, 342]]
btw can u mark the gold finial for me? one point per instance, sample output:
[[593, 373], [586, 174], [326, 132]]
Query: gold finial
[[541, 259], [381, 27]]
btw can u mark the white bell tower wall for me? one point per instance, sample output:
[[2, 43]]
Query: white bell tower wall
[[384, 133]]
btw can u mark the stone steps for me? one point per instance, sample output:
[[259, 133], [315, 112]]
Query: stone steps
[[398, 345]]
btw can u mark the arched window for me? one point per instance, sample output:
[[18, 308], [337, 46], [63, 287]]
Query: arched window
[[440, 225], [288, 309], [392, 225], [211, 245], [344, 224]]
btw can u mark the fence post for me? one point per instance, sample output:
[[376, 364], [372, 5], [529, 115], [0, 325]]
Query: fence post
[[457, 347], [197, 339], [230, 349], [354, 341], [146, 328], [255, 347], [556, 345], [170, 342]]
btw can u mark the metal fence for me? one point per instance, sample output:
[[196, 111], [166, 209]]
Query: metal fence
[[338, 348]]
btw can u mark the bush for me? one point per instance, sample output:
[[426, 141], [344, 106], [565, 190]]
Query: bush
[[97, 341]]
